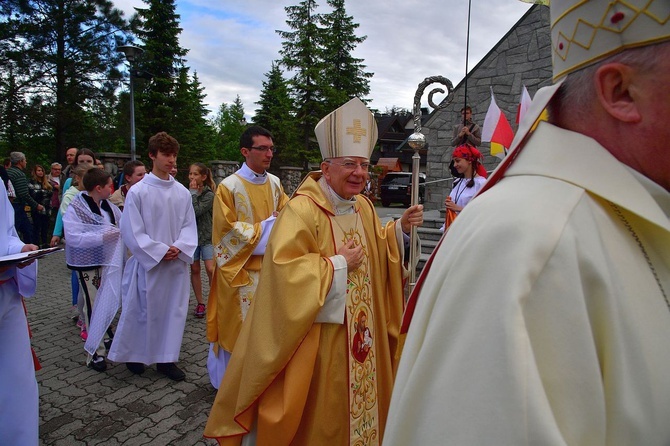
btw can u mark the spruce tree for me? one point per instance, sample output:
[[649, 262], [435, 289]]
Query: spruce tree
[[229, 124], [302, 53], [163, 59], [346, 76], [277, 115], [169, 99], [195, 136]]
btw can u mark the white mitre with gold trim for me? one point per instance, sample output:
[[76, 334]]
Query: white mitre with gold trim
[[585, 31], [351, 130]]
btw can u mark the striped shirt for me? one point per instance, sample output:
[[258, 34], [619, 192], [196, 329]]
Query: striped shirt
[[20, 183]]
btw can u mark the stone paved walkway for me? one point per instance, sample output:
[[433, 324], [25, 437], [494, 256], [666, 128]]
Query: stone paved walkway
[[79, 406]]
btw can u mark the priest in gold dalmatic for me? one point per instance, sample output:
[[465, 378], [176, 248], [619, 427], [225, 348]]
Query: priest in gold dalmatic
[[245, 209], [315, 360]]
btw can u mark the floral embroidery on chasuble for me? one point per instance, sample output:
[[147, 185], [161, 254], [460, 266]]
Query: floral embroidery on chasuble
[[359, 321], [247, 292], [238, 237]]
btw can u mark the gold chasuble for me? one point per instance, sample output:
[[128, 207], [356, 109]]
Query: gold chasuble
[[292, 380], [239, 208]]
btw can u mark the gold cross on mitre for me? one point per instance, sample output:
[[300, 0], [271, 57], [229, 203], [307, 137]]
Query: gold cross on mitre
[[357, 131]]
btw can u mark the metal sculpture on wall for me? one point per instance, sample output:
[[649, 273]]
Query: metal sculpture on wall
[[417, 141]]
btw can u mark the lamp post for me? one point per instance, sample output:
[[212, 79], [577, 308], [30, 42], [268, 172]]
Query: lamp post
[[131, 52]]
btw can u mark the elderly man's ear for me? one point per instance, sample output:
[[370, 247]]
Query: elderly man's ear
[[618, 90]]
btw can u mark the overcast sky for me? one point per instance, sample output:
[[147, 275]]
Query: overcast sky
[[232, 43]]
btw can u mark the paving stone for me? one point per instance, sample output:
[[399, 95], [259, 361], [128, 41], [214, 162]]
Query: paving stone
[[79, 406], [134, 430]]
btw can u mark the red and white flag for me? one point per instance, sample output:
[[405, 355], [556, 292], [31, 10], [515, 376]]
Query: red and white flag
[[524, 105], [497, 130]]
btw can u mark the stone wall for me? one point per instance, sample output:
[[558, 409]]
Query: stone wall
[[221, 169], [522, 57], [290, 178], [113, 162]]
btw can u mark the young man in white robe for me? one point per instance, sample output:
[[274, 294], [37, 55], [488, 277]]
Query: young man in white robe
[[19, 414], [159, 229], [545, 319]]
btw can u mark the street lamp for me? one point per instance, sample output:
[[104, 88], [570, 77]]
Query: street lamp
[[131, 53]]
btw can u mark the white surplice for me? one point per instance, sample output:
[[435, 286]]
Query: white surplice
[[542, 320], [157, 214], [18, 389]]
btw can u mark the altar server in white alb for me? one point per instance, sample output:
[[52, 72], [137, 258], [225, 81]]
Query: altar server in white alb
[[19, 414], [159, 229], [545, 318], [95, 251]]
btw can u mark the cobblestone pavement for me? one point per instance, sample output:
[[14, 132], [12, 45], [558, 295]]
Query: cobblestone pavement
[[79, 406]]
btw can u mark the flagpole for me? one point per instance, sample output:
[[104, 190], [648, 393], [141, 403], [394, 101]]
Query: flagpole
[[417, 141], [467, 56]]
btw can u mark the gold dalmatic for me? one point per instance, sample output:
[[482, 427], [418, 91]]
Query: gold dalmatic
[[363, 406]]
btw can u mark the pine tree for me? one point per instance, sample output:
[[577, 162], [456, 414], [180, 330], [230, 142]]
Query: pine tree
[[229, 124], [318, 50], [302, 53], [277, 115], [158, 28], [195, 136], [169, 98], [62, 55], [345, 74]]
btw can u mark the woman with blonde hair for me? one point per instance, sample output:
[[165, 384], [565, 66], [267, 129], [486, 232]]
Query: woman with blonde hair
[[202, 187], [41, 190]]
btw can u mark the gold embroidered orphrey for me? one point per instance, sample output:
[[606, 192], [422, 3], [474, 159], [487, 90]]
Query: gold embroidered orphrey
[[363, 404]]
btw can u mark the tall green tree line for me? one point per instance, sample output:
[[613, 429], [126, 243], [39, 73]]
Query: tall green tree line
[[63, 83]]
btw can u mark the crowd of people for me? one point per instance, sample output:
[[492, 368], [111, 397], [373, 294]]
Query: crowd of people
[[549, 328], [134, 247]]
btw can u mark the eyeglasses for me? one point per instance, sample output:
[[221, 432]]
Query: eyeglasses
[[350, 165], [273, 149]]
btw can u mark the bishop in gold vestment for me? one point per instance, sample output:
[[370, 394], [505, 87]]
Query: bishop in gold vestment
[[315, 361]]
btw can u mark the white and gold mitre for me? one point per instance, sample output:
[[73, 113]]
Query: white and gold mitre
[[351, 130], [584, 31]]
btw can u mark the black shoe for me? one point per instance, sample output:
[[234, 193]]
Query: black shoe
[[171, 370], [108, 343], [98, 363], [135, 367]]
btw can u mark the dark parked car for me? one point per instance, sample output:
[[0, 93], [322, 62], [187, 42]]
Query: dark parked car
[[396, 188]]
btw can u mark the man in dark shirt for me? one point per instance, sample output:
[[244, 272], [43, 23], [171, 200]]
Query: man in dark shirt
[[466, 131], [23, 198], [66, 173]]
